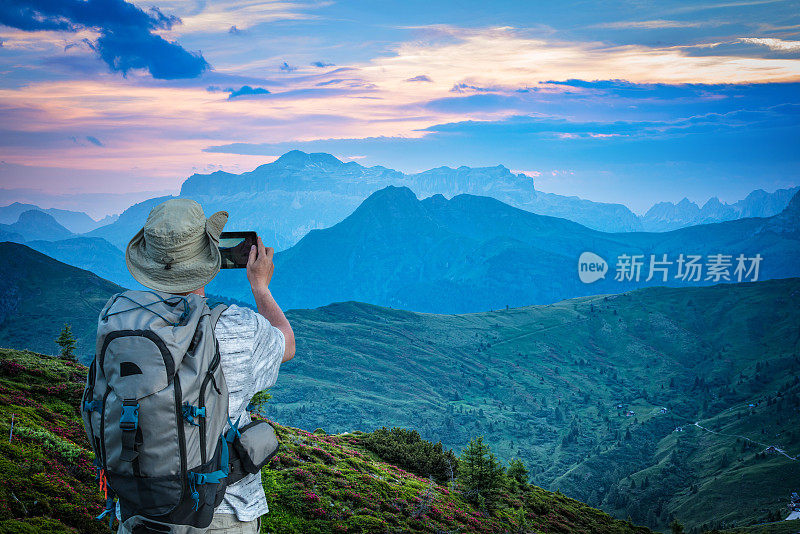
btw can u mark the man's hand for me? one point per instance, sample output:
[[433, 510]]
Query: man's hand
[[260, 266]]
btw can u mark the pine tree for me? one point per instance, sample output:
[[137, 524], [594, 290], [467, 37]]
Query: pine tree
[[480, 474], [676, 527], [67, 343], [517, 471]]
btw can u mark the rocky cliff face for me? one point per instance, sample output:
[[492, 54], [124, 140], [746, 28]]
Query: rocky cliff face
[[299, 192]]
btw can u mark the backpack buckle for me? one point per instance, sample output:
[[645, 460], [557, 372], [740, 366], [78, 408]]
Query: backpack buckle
[[129, 420]]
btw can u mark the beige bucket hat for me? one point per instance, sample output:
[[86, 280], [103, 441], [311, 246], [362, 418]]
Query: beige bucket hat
[[177, 250]]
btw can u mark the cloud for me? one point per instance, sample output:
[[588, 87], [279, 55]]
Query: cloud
[[501, 72], [321, 64], [127, 40], [468, 88], [127, 50], [243, 91], [210, 16], [779, 45], [420, 78], [490, 57], [246, 90], [95, 141], [652, 24], [233, 30], [286, 67]]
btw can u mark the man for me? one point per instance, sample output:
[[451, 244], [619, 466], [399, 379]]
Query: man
[[177, 252]]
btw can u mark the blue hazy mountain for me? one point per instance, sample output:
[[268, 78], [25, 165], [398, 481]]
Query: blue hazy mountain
[[474, 253], [77, 222], [32, 225], [130, 221], [466, 254], [300, 192], [666, 216], [40, 231]]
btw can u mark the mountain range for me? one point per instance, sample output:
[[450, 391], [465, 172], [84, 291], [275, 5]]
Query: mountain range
[[465, 254], [474, 253], [597, 395], [666, 216], [300, 192], [74, 221], [39, 294]]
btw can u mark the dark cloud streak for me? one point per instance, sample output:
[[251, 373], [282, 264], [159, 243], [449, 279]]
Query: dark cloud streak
[[126, 39]]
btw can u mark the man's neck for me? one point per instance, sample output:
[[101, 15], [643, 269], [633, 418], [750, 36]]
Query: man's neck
[[199, 291]]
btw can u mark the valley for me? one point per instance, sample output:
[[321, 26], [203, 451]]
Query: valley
[[587, 392]]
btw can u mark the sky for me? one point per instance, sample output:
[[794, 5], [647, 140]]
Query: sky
[[633, 101]]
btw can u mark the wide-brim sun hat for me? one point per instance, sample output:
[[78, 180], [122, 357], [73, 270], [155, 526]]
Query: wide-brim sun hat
[[177, 250]]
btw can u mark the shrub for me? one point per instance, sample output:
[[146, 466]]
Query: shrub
[[408, 450], [66, 449]]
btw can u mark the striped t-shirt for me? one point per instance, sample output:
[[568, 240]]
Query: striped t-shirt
[[251, 351]]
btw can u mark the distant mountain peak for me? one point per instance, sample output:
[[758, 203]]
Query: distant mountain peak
[[36, 216], [298, 158], [712, 202], [35, 224], [391, 193], [793, 208]]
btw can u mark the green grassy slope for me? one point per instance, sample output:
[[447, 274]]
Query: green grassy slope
[[317, 483], [543, 384], [39, 294]]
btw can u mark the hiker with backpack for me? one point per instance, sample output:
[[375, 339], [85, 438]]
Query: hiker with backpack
[[166, 399]]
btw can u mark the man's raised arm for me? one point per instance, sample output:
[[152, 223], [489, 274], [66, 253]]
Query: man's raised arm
[[259, 273]]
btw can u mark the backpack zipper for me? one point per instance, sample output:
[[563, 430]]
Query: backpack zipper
[[202, 402], [103, 428], [181, 435]]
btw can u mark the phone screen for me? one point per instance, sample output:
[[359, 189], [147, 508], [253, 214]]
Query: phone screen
[[234, 247]]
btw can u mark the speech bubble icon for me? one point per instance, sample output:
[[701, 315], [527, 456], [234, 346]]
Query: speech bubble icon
[[591, 267]]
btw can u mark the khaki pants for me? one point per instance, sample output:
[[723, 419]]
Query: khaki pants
[[228, 524], [224, 524]]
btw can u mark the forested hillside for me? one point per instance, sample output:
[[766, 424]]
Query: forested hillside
[[576, 389]]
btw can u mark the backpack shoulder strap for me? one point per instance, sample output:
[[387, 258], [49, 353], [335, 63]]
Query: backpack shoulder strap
[[216, 311]]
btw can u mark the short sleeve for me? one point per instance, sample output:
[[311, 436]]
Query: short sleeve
[[252, 350], [269, 346]]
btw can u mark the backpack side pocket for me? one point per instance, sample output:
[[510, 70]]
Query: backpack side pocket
[[255, 445]]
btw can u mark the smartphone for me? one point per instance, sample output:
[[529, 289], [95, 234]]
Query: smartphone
[[234, 247]]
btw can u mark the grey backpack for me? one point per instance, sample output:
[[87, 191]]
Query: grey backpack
[[155, 410]]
